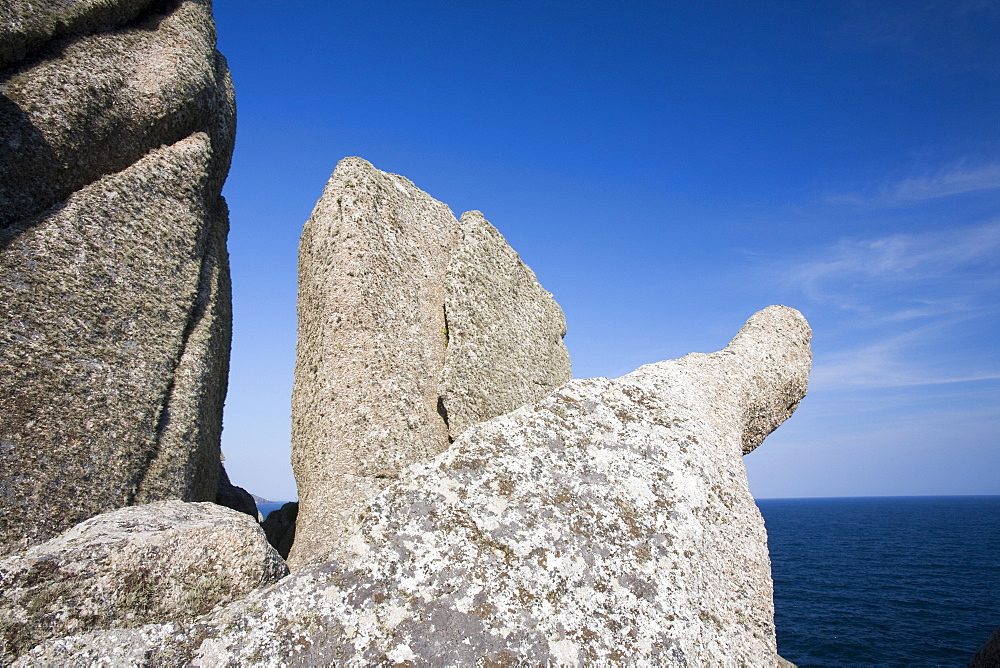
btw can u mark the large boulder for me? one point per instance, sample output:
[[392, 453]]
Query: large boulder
[[412, 327], [504, 344], [155, 563], [610, 522], [117, 119]]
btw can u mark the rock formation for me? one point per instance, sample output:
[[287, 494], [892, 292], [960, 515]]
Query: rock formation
[[504, 344], [237, 498], [988, 655], [412, 327], [133, 566], [117, 120], [609, 522]]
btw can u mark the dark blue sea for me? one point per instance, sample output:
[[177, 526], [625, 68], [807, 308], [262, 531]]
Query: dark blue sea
[[265, 507], [888, 581]]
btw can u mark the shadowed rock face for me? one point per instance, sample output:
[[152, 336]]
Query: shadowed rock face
[[412, 327], [113, 268], [608, 522], [133, 566], [988, 655]]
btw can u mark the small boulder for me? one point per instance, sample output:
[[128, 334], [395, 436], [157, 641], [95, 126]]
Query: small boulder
[[160, 562]]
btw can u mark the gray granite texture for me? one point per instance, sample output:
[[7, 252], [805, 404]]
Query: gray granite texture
[[504, 345], [133, 566], [412, 327], [118, 122], [609, 522]]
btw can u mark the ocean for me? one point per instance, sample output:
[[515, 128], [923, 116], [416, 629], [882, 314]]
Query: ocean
[[266, 507], [887, 581]]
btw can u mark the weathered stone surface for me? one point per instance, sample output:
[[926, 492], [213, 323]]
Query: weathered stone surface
[[237, 498], [505, 331], [382, 266], [28, 24], [91, 105], [113, 268], [988, 655], [133, 566], [607, 523]]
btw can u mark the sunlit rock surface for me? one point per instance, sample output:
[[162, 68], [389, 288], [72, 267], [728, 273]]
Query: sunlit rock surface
[[133, 566], [412, 327], [609, 522]]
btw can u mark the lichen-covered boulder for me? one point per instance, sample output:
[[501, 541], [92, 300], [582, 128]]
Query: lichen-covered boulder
[[610, 522], [412, 327], [159, 562], [117, 119]]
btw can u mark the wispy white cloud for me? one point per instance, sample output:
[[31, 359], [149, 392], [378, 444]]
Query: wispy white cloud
[[889, 363], [907, 276], [957, 180], [905, 307]]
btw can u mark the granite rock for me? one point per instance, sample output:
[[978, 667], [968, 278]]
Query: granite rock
[[609, 522], [134, 566], [28, 24], [118, 122], [504, 345], [279, 527], [382, 363]]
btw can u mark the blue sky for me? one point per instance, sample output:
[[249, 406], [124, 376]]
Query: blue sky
[[667, 169]]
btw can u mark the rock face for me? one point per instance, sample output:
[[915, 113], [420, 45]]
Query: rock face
[[609, 522], [237, 498], [504, 344], [133, 566], [279, 527], [412, 327], [117, 120], [988, 655]]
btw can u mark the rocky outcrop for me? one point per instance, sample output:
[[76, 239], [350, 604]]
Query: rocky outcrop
[[988, 655], [609, 522], [237, 498], [155, 563], [117, 120], [412, 327]]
